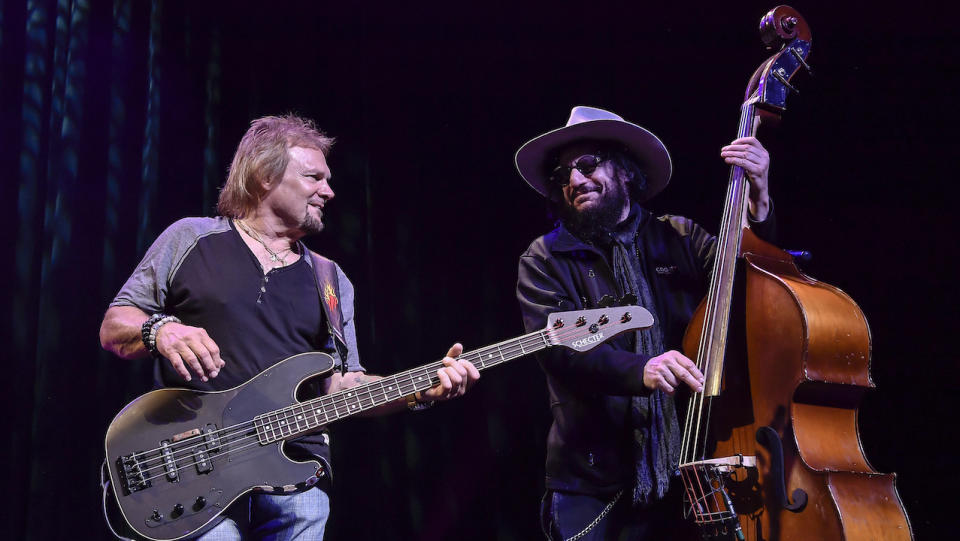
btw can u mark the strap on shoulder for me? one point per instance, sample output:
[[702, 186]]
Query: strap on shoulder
[[328, 288]]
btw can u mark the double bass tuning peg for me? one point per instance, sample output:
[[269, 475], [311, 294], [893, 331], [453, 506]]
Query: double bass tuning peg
[[780, 74], [798, 54]]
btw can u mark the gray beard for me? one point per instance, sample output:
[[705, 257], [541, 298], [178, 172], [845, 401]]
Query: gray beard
[[310, 225]]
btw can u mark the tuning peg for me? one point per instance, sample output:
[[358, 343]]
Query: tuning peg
[[606, 301], [798, 54], [780, 74], [628, 299], [603, 319]]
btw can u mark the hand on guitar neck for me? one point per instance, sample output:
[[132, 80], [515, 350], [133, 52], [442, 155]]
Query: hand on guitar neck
[[456, 377]]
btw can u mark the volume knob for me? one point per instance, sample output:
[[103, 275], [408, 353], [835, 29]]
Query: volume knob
[[200, 503]]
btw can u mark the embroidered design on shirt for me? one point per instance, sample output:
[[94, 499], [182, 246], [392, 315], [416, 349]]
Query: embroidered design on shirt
[[666, 269], [330, 297]]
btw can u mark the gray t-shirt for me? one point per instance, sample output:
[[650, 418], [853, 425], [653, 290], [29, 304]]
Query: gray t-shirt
[[200, 270]]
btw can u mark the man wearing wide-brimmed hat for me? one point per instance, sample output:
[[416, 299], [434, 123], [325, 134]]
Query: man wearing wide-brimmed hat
[[614, 443]]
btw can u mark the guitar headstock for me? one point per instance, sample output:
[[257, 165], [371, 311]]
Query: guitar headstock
[[784, 29], [581, 330]]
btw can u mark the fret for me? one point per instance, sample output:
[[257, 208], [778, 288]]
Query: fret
[[316, 419], [261, 433], [336, 408], [500, 351], [391, 389], [351, 398], [277, 427], [521, 348], [273, 428], [297, 417], [381, 392], [420, 379], [320, 407], [369, 392]]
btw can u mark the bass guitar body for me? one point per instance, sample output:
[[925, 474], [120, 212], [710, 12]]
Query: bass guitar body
[[165, 450], [795, 374]]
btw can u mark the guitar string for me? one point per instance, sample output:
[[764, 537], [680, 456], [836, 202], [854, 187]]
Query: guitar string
[[533, 339], [290, 414], [343, 396]]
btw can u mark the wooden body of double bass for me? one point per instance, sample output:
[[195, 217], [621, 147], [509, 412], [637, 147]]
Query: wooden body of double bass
[[799, 366]]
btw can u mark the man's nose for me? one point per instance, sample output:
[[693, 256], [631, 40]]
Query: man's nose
[[325, 191], [577, 178]]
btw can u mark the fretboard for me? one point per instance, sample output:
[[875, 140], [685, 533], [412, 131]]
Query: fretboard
[[302, 417]]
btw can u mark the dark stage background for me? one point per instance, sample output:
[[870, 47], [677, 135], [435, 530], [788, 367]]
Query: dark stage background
[[120, 117]]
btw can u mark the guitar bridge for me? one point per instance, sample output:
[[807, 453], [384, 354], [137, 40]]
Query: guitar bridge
[[131, 474]]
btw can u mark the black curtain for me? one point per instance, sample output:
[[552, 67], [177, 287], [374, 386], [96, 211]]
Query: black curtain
[[121, 116]]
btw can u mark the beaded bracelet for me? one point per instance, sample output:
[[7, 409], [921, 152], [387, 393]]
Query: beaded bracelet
[[155, 322], [147, 325]]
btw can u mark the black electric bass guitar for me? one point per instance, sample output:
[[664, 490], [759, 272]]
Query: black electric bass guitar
[[177, 457]]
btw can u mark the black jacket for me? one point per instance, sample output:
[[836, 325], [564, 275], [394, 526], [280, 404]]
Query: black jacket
[[590, 446]]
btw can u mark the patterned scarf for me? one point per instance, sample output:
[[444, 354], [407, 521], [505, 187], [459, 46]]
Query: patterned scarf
[[656, 432]]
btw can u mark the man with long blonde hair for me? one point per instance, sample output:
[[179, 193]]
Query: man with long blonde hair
[[216, 301]]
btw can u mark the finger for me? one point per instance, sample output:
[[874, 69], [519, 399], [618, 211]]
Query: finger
[[665, 386], [214, 350], [204, 357], [190, 359], [177, 364], [669, 376], [457, 365], [445, 384], [455, 377], [455, 350], [749, 140], [472, 373], [693, 370], [690, 380]]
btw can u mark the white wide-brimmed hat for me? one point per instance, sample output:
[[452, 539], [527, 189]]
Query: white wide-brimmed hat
[[586, 123]]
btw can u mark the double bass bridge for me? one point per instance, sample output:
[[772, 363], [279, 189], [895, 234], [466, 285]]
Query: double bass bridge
[[706, 497]]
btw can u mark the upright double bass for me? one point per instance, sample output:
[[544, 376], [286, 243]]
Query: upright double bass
[[786, 362]]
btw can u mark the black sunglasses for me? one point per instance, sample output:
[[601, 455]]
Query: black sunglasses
[[585, 164]]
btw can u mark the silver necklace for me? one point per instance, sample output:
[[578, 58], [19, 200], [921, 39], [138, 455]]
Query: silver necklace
[[276, 257]]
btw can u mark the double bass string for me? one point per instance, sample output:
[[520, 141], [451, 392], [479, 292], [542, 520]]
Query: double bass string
[[698, 416]]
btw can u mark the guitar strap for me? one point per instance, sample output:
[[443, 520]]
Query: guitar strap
[[328, 288]]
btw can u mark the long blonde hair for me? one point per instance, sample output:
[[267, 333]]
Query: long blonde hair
[[262, 156]]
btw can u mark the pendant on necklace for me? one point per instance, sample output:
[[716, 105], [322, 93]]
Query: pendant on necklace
[[273, 257]]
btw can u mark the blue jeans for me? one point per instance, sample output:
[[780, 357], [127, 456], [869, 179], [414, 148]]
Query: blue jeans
[[300, 517]]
